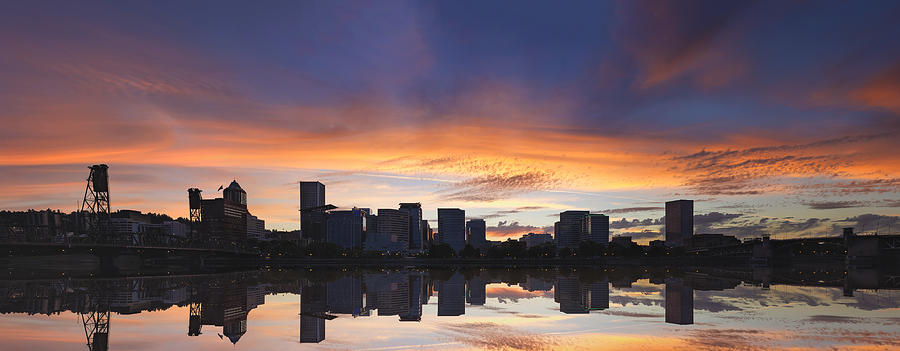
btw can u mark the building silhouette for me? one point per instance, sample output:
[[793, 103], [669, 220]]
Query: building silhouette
[[346, 228], [416, 230], [388, 231], [679, 222], [452, 228], [345, 295], [452, 296], [312, 220], [569, 294], [533, 239], [679, 302], [570, 231], [313, 306], [416, 297], [476, 291], [476, 231], [224, 220], [597, 228]]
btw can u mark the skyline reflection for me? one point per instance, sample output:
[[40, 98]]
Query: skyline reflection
[[331, 301]]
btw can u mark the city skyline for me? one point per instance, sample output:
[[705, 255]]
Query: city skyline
[[515, 114]]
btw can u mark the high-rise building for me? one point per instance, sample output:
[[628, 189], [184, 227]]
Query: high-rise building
[[224, 220], [570, 230], [346, 228], [394, 224], [679, 222], [452, 227], [597, 228], [313, 306], [312, 222], [475, 233], [416, 231], [416, 290]]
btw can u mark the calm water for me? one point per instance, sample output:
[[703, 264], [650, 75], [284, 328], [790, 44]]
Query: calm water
[[527, 309]]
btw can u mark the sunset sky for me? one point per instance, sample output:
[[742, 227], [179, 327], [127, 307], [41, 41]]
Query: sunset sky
[[776, 117]]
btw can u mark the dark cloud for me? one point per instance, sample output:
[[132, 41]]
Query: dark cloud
[[504, 213], [642, 235], [871, 223], [624, 223], [829, 205], [632, 209], [494, 187]]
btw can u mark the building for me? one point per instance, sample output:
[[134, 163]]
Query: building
[[346, 228], [533, 239], [679, 302], [622, 240], [679, 222], [312, 222], [345, 295], [224, 220], [700, 241], [256, 228], [452, 228], [571, 229], [416, 231], [395, 224], [597, 228], [428, 232], [452, 296], [476, 231]]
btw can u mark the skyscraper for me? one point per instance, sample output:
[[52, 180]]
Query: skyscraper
[[416, 231], [452, 296], [312, 223], [475, 233], [452, 228], [570, 229], [394, 224], [597, 228], [225, 219], [679, 222]]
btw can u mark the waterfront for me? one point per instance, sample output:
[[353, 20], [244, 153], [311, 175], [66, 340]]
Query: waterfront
[[407, 308]]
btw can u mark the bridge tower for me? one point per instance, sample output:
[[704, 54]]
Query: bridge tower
[[194, 202], [194, 320], [96, 203]]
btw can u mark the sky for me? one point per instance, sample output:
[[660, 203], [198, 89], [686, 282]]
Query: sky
[[777, 117]]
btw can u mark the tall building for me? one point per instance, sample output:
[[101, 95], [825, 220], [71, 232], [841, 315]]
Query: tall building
[[224, 220], [476, 230], [570, 230], [416, 231], [476, 291], [346, 228], [597, 228], [452, 227], [312, 222], [416, 289], [679, 222], [313, 306]]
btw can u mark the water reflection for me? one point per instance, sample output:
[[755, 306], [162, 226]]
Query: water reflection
[[221, 304]]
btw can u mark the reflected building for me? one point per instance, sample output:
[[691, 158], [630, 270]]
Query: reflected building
[[679, 302], [452, 296], [596, 295], [416, 296], [388, 293], [313, 308], [345, 295], [476, 292], [568, 293]]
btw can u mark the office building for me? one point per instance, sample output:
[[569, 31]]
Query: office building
[[345, 295], [224, 220], [597, 228], [476, 230], [571, 229], [394, 225], [679, 222], [452, 228], [312, 213], [476, 291], [346, 228], [416, 231]]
